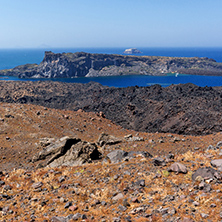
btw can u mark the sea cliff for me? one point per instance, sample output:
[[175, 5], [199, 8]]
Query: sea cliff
[[81, 64]]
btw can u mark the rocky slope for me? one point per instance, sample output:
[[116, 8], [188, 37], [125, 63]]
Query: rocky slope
[[68, 65], [139, 177], [182, 109]]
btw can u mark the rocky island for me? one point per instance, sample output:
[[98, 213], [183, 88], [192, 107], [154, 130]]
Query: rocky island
[[81, 64]]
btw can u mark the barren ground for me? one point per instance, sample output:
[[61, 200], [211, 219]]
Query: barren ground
[[135, 190]]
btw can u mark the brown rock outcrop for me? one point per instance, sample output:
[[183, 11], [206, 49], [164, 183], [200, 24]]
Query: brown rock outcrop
[[68, 152]]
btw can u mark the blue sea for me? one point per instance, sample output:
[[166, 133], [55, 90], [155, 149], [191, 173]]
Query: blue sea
[[9, 58]]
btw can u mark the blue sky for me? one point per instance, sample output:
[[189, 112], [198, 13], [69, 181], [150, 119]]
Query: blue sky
[[110, 23]]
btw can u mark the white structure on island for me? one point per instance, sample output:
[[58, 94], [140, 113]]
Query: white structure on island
[[132, 51]]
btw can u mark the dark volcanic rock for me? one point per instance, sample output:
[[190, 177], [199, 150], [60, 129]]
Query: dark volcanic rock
[[181, 109], [86, 64]]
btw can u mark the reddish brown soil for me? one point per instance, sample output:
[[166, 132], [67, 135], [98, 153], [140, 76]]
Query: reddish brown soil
[[21, 128]]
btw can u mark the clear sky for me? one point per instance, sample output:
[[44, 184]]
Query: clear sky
[[110, 23]]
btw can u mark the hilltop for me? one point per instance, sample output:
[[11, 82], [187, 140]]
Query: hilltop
[[81, 64]]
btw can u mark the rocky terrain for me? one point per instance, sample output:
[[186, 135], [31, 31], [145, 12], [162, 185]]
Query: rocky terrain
[[59, 163], [115, 174], [69, 65], [182, 109]]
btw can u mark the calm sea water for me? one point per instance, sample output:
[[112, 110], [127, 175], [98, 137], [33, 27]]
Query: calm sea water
[[9, 58]]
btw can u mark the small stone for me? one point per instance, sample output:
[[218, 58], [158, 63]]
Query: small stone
[[128, 219], [210, 147], [195, 203], [118, 197], [170, 156], [76, 216], [116, 177], [2, 183], [135, 200], [61, 200], [97, 202], [68, 204], [201, 185], [103, 203], [58, 219], [37, 185], [219, 145], [172, 211], [203, 215], [216, 163], [61, 179], [186, 219], [116, 219], [158, 161], [122, 208], [137, 210], [73, 208], [125, 203], [164, 210], [176, 139], [83, 217], [141, 183]]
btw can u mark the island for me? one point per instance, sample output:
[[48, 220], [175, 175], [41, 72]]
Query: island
[[82, 64]]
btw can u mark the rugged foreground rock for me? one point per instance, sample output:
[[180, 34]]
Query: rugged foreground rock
[[67, 152], [67, 65], [181, 109], [133, 190]]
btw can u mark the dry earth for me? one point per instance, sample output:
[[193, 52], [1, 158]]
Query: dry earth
[[133, 190]]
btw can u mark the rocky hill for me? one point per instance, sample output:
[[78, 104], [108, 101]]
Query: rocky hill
[[133, 176], [183, 109], [69, 65]]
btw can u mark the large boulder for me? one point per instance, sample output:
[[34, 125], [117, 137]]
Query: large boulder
[[106, 139], [68, 152], [216, 163], [117, 156], [177, 168], [206, 173]]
